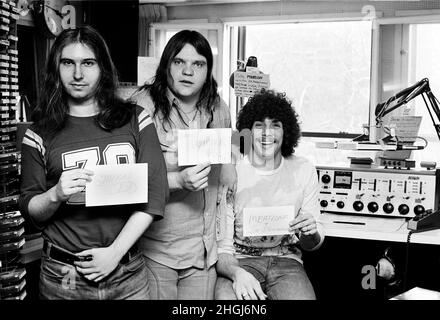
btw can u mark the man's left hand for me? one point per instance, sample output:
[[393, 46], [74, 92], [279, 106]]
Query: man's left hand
[[104, 261], [305, 223]]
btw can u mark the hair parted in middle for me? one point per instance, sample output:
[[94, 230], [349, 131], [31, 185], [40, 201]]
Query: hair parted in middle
[[276, 106], [158, 88], [52, 110]]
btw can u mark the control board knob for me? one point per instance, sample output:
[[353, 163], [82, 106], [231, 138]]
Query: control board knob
[[325, 178], [419, 209], [388, 208], [324, 203], [403, 209], [358, 205], [340, 204], [373, 206]]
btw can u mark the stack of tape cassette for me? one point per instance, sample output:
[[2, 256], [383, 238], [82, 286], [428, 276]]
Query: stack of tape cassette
[[12, 271], [12, 281]]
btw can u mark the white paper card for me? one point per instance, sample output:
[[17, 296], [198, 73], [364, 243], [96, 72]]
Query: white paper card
[[203, 145], [246, 84], [265, 221], [118, 184], [146, 69], [406, 128]]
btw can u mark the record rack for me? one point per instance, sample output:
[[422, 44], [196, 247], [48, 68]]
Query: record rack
[[12, 272]]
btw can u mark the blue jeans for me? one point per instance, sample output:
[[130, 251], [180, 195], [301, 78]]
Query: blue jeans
[[280, 278], [187, 284], [61, 281]]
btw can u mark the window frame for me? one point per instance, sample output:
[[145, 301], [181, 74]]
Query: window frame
[[402, 18], [230, 23]]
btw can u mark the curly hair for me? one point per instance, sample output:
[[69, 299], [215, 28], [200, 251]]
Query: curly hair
[[276, 106]]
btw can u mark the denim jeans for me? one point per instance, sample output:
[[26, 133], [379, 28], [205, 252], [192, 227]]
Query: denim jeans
[[61, 281], [186, 284], [280, 278]]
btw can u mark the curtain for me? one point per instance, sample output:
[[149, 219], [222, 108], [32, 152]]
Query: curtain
[[149, 13]]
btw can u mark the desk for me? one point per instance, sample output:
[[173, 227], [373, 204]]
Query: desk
[[336, 269], [375, 228]]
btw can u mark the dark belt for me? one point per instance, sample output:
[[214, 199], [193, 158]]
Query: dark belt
[[57, 253]]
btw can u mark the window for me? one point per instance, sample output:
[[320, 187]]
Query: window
[[424, 62], [323, 67]]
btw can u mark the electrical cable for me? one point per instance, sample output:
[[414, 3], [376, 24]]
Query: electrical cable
[[405, 273]]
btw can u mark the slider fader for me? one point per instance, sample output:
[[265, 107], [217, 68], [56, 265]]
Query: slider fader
[[378, 192]]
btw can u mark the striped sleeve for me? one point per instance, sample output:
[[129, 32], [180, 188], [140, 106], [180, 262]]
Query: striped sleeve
[[149, 151], [33, 173], [33, 140], [144, 119]]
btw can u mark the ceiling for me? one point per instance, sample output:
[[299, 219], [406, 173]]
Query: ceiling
[[202, 2]]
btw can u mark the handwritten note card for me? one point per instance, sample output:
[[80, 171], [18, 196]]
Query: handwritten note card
[[118, 184], [203, 145], [264, 221], [406, 128], [146, 69], [246, 84]]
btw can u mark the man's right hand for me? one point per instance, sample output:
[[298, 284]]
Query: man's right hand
[[71, 182], [195, 178]]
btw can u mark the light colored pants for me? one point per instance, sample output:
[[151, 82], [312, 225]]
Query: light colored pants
[[187, 284], [280, 279]]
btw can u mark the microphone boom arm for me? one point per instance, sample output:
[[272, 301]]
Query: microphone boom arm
[[404, 96]]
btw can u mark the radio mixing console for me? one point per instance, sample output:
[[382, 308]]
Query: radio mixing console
[[378, 192]]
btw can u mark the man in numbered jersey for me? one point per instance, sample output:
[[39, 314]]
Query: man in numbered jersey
[[79, 122]]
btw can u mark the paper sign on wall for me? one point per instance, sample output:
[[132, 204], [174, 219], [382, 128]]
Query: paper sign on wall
[[265, 221], [118, 184], [246, 84], [406, 127], [146, 69], [203, 145]]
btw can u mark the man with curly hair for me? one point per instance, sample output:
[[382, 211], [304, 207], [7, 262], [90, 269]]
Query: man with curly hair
[[260, 267]]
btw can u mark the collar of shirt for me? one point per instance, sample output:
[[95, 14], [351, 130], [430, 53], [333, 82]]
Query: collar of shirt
[[199, 120], [172, 98]]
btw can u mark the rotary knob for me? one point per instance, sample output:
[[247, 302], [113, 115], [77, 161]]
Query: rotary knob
[[340, 204], [373, 206], [324, 203], [325, 178], [388, 208], [419, 209], [358, 205], [403, 209]]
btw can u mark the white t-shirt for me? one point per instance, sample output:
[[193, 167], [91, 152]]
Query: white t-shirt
[[293, 183]]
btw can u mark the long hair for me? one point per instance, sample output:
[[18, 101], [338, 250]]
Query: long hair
[[208, 95], [52, 109]]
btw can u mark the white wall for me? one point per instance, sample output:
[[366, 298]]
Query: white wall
[[215, 12]]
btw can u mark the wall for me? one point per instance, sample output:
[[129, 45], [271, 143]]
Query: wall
[[216, 12]]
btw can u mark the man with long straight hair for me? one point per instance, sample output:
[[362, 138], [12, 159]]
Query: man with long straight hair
[[89, 252], [180, 250]]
